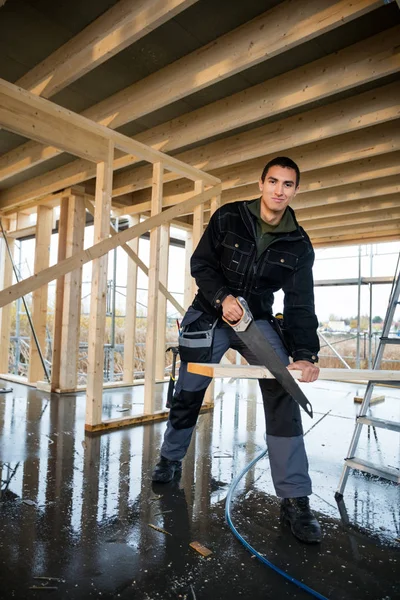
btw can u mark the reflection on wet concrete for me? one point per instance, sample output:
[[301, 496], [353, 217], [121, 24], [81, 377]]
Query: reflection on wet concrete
[[79, 508]]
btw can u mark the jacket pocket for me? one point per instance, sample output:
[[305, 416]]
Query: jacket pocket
[[235, 258], [284, 259]]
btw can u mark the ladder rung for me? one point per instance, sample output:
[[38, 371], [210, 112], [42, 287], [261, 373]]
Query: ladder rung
[[387, 340], [364, 465], [382, 423]]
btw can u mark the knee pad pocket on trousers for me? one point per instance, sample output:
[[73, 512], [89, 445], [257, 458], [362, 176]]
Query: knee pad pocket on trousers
[[185, 408], [282, 413]]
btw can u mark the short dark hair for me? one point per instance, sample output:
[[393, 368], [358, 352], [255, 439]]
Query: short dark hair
[[282, 161]]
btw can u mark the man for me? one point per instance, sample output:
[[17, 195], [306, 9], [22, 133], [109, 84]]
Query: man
[[253, 249]]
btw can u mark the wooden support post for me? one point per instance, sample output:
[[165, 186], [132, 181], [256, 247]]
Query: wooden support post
[[130, 309], [39, 297], [198, 224], [152, 303], [6, 273], [72, 294], [187, 292], [209, 397], [215, 204], [162, 303], [95, 375], [58, 311]]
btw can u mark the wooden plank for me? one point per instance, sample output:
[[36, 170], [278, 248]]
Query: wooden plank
[[371, 227], [43, 186], [130, 421], [101, 248], [152, 301], [338, 118], [357, 239], [39, 297], [59, 303], [122, 25], [311, 154], [198, 225], [347, 193], [215, 204], [305, 20], [51, 200], [143, 152], [71, 312], [95, 368], [17, 234], [349, 207], [258, 372], [375, 143], [162, 302], [313, 178], [66, 176], [188, 285], [44, 121], [23, 113], [356, 171], [352, 66], [210, 393], [364, 215], [367, 109], [130, 308], [6, 276]]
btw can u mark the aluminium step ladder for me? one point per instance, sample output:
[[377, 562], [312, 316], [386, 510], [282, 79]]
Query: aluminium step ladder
[[352, 461]]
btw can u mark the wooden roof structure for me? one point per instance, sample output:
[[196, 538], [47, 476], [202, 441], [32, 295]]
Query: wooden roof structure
[[206, 92], [223, 87]]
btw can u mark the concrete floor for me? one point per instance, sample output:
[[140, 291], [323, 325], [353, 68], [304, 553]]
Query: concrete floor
[[78, 508]]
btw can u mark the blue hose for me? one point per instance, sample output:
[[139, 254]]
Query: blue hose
[[247, 545]]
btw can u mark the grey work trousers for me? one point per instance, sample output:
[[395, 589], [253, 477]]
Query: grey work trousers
[[287, 455]]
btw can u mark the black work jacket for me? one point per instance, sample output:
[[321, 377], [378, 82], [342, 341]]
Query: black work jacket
[[225, 262]]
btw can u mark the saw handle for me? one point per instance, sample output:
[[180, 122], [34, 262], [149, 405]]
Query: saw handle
[[246, 318]]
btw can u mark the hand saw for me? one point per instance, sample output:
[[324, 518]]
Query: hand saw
[[250, 334]]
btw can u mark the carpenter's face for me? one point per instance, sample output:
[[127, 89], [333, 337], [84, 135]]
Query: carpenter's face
[[277, 190]]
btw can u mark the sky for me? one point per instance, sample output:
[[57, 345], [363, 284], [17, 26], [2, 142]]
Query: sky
[[331, 263]]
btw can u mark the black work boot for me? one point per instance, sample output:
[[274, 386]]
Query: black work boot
[[167, 470], [304, 525]]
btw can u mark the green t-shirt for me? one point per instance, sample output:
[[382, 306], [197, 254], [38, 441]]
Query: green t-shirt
[[266, 232]]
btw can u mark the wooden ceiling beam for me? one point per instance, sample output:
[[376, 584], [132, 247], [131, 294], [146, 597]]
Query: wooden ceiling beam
[[245, 192], [354, 230], [360, 156], [345, 207], [356, 240], [252, 191], [358, 64], [379, 217], [370, 108], [354, 191], [353, 114], [122, 25], [241, 181], [232, 53], [363, 62], [366, 170]]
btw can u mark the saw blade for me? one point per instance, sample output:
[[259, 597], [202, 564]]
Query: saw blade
[[266, 355]]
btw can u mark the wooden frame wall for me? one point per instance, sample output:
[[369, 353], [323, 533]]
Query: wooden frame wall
[[50, 124]]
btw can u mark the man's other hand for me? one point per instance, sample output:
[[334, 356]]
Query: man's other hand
[[309, 372], [231, 310]]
